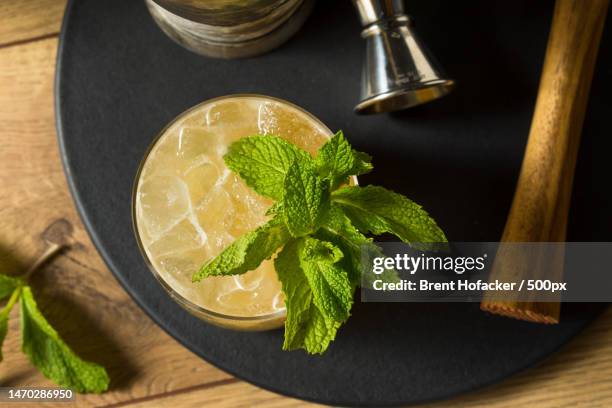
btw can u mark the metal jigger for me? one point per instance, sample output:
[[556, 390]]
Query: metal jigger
[[398, 71]]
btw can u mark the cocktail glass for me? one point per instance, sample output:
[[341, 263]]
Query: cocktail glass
[[187, 206]]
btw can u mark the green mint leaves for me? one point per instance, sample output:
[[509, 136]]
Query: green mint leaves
[[43, 345], [263, 162], [247, 252], [305, 198], [7, 285], [337, 160], [47, 351], [306, 326], [317, 230], [331, 288], [377, 210]]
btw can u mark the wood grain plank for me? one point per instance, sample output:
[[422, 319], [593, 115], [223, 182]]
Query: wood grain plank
[[234, 395], [76, 290], [23, 20]]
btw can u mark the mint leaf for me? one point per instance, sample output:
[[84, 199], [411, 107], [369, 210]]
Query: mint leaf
[[7, 285], [338, 229], [359, 250], [275, 209], [305, 327], [247, 252], [4, 315], [337, 160], [363, 163], [377, 210], [318, 332], [331, 288], [339, 224], [298, 296], [305, 200], [47, 351], [263, 161]]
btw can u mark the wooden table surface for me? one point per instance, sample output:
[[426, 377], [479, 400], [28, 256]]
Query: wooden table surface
[[100, 321]]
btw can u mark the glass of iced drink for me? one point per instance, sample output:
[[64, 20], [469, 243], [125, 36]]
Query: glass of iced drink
[[188, 206]]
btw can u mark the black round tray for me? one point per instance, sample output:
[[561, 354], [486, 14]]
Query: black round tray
[[120, 80]]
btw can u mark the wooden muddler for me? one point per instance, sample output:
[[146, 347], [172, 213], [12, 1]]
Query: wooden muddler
[[541, 201]]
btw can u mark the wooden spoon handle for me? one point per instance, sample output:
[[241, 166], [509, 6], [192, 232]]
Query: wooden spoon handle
[[541, 201]]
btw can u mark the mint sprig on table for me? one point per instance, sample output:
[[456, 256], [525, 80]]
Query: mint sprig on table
[[319, 222], [43, 345]]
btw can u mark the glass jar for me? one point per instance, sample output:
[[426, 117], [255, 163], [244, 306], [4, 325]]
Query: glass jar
[[230, 28]]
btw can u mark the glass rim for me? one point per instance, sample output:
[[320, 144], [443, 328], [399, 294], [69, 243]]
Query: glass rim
[[180, 299]]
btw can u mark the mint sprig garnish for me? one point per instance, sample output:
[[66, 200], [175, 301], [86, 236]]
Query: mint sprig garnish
[[331, 288], [377, 210], [48, 352], [263, 162], [337, 160], [317, 228], [305, 198], [306, 326], [41, 342], [248, 251]]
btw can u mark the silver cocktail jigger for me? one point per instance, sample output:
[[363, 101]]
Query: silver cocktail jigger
[[398, 71]]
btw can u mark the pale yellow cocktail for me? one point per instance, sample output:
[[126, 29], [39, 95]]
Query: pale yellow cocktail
[[188, 206]]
